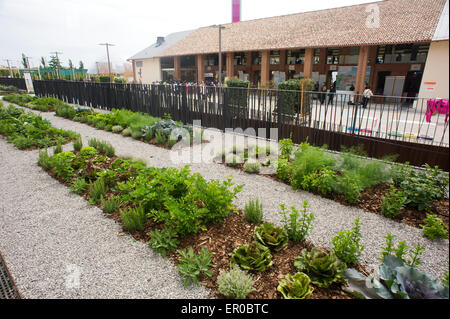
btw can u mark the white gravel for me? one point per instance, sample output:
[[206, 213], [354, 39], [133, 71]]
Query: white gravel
[[331, 216]]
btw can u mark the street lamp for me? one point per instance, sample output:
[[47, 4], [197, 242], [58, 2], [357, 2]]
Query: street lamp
[[221, 27], [107, 53]]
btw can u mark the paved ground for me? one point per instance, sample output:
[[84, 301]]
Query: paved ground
[[70, 225]]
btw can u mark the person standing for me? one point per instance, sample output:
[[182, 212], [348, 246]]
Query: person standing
[[332, 93], [367, 94], [323, 94]]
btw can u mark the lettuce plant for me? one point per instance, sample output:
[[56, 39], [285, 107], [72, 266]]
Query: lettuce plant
[[252, 257], [295, 286], [274, 238], [396, 281], [322, 267]]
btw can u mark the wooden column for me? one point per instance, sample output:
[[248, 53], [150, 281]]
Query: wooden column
[[230, 64], [309, 61], [177, 67], [362, 67], [265, 67], [200, 68]]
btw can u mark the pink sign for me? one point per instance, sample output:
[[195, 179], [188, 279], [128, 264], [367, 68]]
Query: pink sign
[[236, 8]]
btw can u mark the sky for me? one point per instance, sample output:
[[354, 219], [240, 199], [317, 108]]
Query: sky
[[76, 27]]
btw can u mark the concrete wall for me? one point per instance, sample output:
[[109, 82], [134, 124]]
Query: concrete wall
[[150, 71], [435, 80]]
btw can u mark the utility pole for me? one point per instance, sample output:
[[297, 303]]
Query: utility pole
[[221, 27], [107, 53], [57, 59]]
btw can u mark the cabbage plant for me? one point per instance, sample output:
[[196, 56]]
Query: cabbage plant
[[322, 267], [252, 257], [274, 238], [295, 286]]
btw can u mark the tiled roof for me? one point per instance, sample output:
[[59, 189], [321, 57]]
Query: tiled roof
[[154, 49], [401, 21]]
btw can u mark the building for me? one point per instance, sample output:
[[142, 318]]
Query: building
[[386, 45], [148, 67]]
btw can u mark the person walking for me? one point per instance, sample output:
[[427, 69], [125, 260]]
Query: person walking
[[367, 94], [332, 93]]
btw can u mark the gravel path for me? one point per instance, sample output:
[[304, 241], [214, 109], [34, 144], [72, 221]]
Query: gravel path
[[56, 245], [331, 216]]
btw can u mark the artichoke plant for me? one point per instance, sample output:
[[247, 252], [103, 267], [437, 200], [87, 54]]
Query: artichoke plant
[[274, 238], [252, 257], [322, 267], [295, 286]]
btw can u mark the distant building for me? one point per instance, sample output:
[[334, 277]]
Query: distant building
[[387, 45]]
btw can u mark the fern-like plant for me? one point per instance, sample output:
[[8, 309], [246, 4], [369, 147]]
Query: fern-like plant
[[254, 211], [133, 218]]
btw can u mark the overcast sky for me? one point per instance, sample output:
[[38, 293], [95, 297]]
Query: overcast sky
[[76, 27]]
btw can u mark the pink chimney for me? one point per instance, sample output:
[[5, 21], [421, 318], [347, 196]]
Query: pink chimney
[[236, 10]]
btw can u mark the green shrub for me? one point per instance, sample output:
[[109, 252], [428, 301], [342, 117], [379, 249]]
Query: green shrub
[[286, 147], [110, 205], [133, 218], [117, 129], [401, 250], [393, 203], [164, 240], [136, 134], [97, 190], [274, 238], [252, 167], [254, 211], [102, 147], [350, 187], [79, 186], [58, 149], [100, 125], [297, 224], [323, 268], [127, 132], [160, 138], [322, 181], [252, 257], [434, 227], [45, 160], [88, 152], [291, 95], [78, 144], [296, 286], [308, 160], [235, 283], [193, 265], [171, 142], [347, 246], [62, 165], [284, 169]]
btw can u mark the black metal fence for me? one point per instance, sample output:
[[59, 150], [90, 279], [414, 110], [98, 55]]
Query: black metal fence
[[383, 125], [17, 82]]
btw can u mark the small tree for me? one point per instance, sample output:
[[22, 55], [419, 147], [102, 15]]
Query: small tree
[[81, 65], [43, 62]]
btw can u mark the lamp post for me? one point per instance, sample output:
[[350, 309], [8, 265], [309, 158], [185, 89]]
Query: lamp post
[[107, 53], [221, 27]]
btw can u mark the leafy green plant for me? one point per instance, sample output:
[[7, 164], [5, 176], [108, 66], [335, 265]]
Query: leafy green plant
[[445, 277], [434, 227], [102, 147], [321, 181], [160, 138], [164, 240], [297, 224], [235, 283], [295, 286], [286, 147], [79, 186], [133, 218], [58, 149], [401, 250], [393, 203], [252, 256], [193, 265], [88, 152], [396, 281], [322, 267], [347, 244], [252, 167], [117, 129], [97, 190], [274, 238], [254, 211], [62, 165], [350, 187], [127, 132]]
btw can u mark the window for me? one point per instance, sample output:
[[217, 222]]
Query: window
[[187, 61], [333, 56], [212, 59], [256, 58], [295, 56], [167, 63], [139, 64], [274, 57], [402, 53], [240, 58], [316, 57]]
